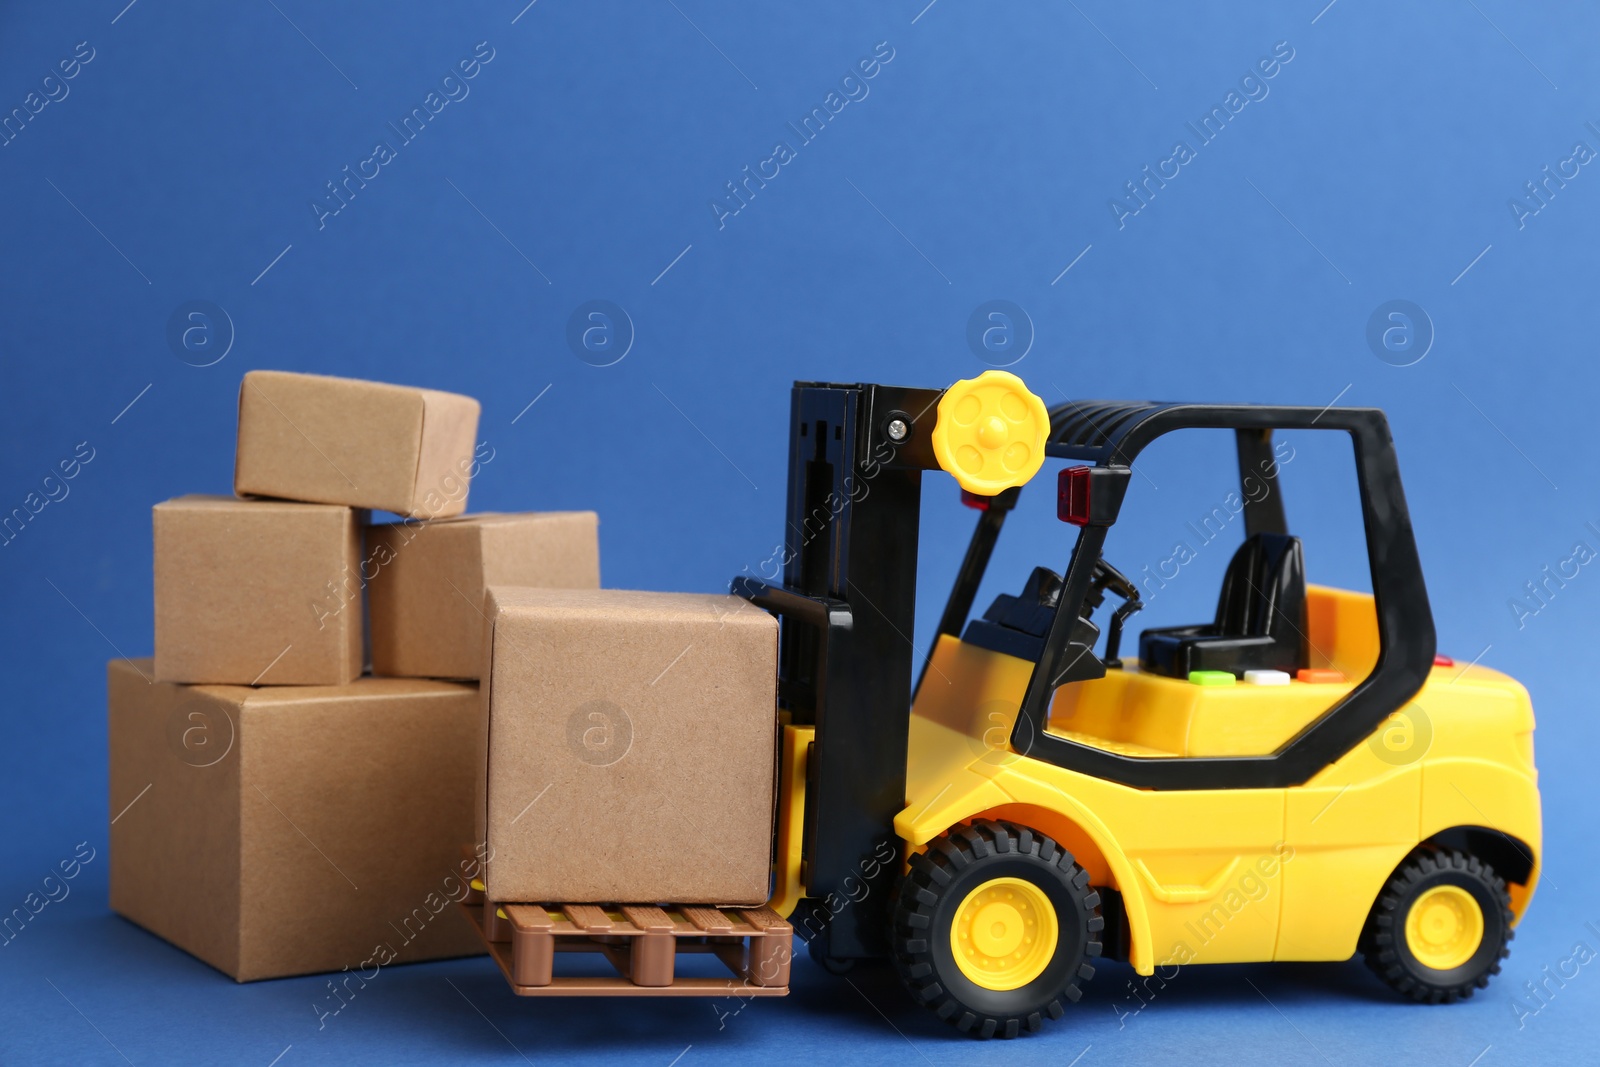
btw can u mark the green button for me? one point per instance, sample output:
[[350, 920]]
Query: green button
[[1212, 678]]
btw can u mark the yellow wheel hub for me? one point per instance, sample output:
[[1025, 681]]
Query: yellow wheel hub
[[1004, 934], [991, 432], [1444, 927]]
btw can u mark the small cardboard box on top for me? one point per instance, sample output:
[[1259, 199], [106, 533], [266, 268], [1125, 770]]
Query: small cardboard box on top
[[628, 747], [425, 595], [361, 444], [252, 592], [290, 830]]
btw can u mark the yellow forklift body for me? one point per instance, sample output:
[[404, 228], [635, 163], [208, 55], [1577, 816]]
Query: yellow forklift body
[[1231, 875]]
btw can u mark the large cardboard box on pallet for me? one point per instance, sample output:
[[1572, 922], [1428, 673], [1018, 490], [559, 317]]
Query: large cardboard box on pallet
[[362, 444], [425, 594], [628, 747], [292, 830], [256, 592]]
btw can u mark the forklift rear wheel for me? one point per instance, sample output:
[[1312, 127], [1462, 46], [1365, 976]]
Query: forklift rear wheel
[[1440, 927], [994, 928]]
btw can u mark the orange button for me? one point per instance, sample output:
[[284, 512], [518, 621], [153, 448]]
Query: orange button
[[1320, 675]]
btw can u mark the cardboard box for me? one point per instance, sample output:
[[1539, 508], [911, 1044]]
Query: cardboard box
[[291, 830], [425, 596], [628, 747], [361, 444], [255, 592]]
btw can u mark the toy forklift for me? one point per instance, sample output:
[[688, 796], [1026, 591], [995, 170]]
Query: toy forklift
[[1231, 794]]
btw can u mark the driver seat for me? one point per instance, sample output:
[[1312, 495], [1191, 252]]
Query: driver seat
[[1260, 623]]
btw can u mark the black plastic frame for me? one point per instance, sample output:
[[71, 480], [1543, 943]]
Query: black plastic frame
[[845, 604]]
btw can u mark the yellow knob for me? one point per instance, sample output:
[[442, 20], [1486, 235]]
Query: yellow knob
[[991, 432]]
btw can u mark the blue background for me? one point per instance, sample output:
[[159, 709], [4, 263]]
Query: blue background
[[1380, 165]]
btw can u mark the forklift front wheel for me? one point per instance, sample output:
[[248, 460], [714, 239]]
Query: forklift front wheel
[[832, 964], [994, 928]]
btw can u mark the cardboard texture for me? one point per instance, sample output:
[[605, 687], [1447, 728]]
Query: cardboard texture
[[628, 747], [361, 444], [285, 831], [425, 596], [256, 592]]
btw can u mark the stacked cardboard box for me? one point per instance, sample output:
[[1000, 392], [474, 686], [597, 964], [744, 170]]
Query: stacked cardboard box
[[276, 811], [426, 600], [279, 810], [628, 747], [286, 830]]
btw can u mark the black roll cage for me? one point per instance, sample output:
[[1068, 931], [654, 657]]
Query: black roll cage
[[1109, 435]]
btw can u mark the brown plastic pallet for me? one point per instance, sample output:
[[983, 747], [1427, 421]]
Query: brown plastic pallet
[[643, 943]]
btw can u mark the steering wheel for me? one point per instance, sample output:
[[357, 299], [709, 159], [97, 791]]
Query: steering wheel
[[1106, 578]]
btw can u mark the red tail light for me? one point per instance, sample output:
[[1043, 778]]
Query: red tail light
[[1072, 496]]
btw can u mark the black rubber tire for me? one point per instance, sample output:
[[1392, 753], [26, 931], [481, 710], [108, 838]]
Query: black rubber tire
[[832, 964], [1383, 942], [934, 887]]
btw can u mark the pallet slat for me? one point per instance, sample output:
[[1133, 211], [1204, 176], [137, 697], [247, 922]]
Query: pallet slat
[[648, 918], [528, 917], [765, 919], [710, 920], [496, 927], [588, 917]]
